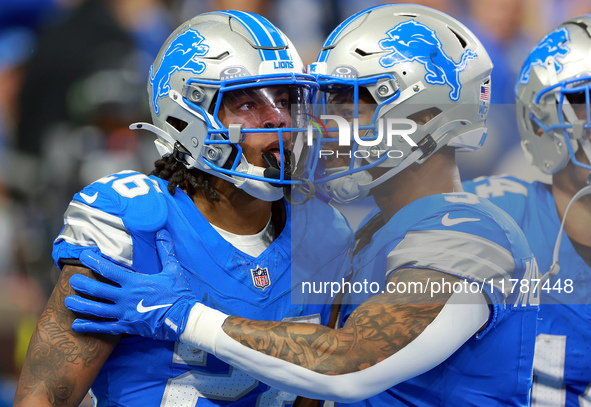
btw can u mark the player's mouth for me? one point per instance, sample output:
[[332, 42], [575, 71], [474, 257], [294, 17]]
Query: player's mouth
[[273, 157], [280, 156]]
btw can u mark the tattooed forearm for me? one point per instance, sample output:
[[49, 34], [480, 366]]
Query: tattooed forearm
[[58, 360], [371, 334], [374, 331]]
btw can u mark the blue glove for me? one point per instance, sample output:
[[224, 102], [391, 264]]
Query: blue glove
[[154, 306]]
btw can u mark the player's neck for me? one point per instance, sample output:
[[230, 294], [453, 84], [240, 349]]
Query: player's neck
[[236, 212], [437, 175], [565, 184]]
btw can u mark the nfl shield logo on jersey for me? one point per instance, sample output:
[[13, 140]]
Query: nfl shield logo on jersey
[[260, 277]]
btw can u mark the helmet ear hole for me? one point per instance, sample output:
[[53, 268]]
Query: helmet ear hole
[[177, 123], [211, 109], [425, 116], [535, 128]]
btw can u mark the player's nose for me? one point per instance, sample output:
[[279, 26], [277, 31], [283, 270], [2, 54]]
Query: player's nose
[[274, 118], [274, 122]]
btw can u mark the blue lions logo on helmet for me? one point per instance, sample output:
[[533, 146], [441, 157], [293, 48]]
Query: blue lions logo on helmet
[[552, 46], [181, 55], [412, 41]]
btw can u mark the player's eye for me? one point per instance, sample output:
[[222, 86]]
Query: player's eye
[[282, 103], [246, 106]]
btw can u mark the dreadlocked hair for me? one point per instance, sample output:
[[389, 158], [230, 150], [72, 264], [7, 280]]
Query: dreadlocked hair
[[189, 180]]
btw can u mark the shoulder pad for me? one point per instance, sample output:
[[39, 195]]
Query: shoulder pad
[[108, 213]]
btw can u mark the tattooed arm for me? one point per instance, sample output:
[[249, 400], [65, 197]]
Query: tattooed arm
[[388, 339], [377, 329], [61, 364], [332, 323]]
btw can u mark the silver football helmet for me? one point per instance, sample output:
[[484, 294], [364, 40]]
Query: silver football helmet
[[553, 106], [552, 97], [215, 59], [413, 60]]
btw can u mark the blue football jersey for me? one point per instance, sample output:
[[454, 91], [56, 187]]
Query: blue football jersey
[[562, 363], [464, 236], [119, 216]]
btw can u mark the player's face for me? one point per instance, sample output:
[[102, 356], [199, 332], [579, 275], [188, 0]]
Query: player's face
[[579, 105], [581, 112], [265, 107], [578, 102], [342, 103], [577, 174]]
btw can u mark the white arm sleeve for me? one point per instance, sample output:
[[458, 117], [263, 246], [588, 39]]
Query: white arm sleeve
[[461, 317]]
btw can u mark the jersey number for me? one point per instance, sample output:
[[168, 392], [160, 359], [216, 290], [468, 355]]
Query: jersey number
[[186, 389], [132, 186], [549, 358], [461, 197], [498, 186]]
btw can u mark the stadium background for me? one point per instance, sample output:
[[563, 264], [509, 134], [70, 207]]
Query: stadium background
[[73, 76]]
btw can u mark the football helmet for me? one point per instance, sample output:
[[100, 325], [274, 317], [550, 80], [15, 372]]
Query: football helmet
[[553, 106], [220, 58], [552, 97], [411, 60]]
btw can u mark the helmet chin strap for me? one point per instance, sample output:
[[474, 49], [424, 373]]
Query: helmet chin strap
[[259, 189], [356, 186], [346, 189], [555, 268]]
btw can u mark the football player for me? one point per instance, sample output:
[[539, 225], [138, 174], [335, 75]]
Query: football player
[[225, 92], [446, 325], [553, 99]]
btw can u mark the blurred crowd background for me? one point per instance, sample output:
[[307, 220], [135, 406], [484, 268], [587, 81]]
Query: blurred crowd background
[[73, 76]]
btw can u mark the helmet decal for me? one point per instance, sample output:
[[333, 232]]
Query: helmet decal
[[552, 101], [179, 56], [411, 41], [552, 46], [191, 92], [401, 61]]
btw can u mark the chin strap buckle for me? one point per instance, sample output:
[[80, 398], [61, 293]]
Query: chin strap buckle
[[427, 145], [180, 153]]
